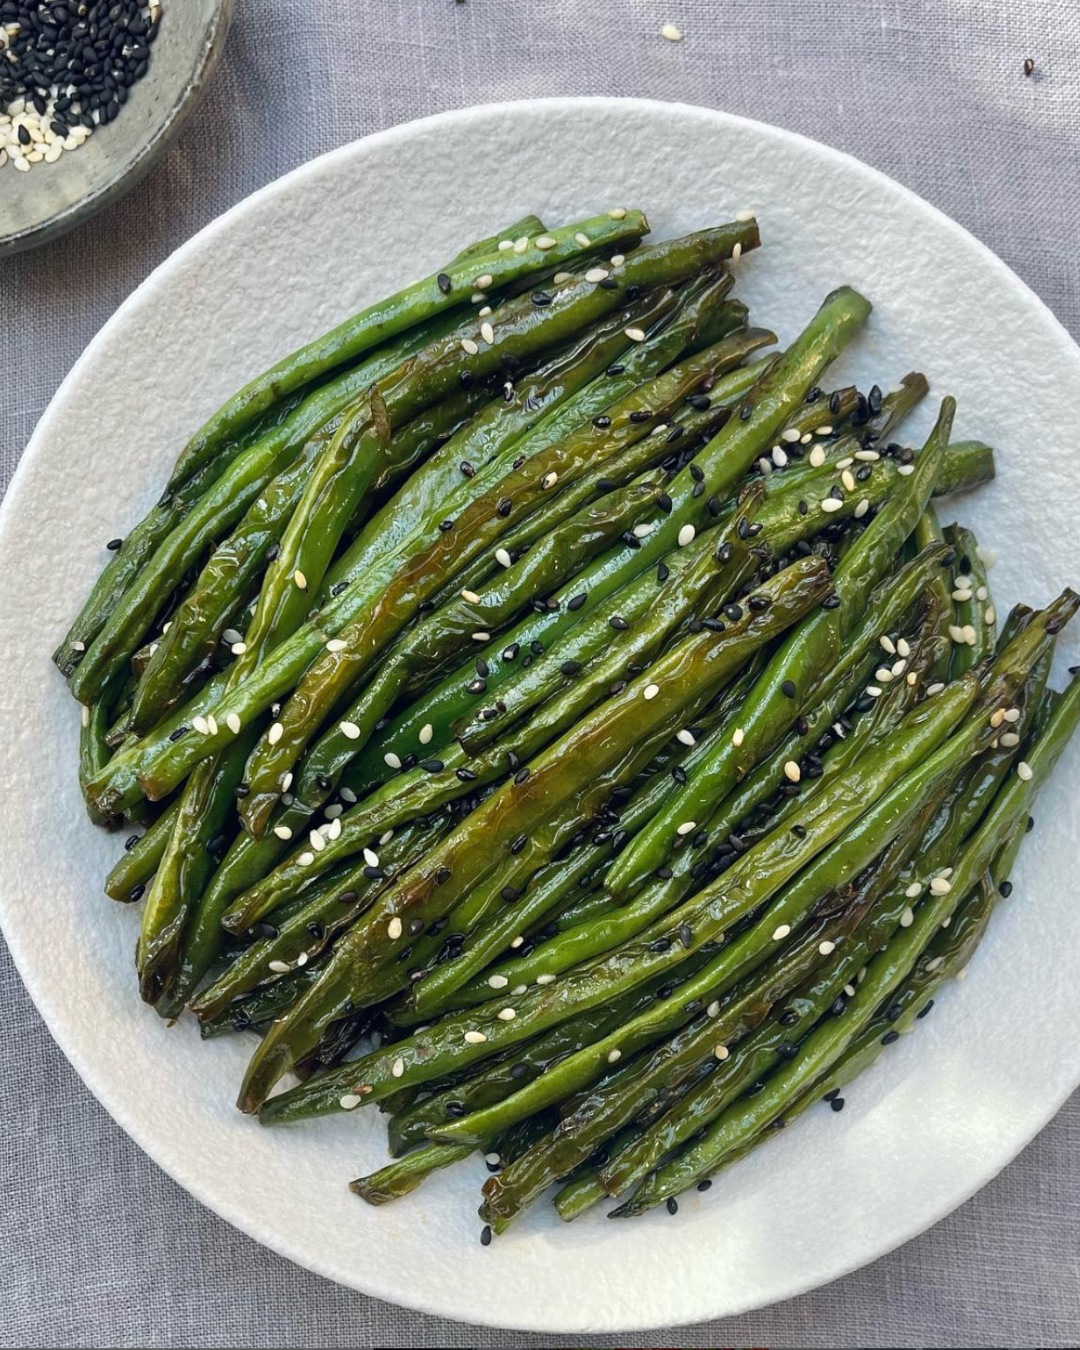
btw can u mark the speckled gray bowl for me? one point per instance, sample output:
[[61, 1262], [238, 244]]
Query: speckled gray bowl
[[53, 198]]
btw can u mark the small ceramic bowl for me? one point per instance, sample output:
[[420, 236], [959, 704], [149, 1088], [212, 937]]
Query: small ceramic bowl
[[53, 198]]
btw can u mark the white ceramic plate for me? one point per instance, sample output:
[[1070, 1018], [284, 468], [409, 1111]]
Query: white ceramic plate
[[953, 1103]]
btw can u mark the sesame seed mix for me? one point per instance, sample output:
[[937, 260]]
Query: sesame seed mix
[[67, 69]]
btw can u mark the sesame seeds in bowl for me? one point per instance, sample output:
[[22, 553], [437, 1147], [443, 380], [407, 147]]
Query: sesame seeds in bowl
[[91, 94]]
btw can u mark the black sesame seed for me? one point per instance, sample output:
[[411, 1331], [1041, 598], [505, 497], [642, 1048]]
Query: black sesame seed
[[465, 775], [521, 775], [704, 1185], [505, 506], [519, 843], [570, 667], [889, 1037], [837, 1103], [788, 689], [672, 1205], [444, 283], [746, 412], [923, 1011]]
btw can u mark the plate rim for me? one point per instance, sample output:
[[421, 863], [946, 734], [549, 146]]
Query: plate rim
[[37, 986]]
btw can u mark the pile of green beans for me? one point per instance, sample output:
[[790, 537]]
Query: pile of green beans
[[538, 708]]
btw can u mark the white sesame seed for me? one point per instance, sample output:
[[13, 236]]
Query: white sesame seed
[[687, 827], [393, 929], [200, 725], [830, 504], [765, 465], [231, 635], [283, 831], [826, 948], [302, 959], [990, 616], [617, 259], [349, 1101], [238, 648], [782, 932], [498, 981], [685, 737], [306, 859], [848, 480], [970, 635], [492, 1159], [874, 690], [736, 252], [897, 669], [275, 733], [956, 633], [686, 535], [934, 963], [1024, 771], [546, 979], [779, 458], [905, 470], [915, 889], [635, 334], [474, 1038], [887, 644], [549, 480], [670, 32], [398, 1067], [870, 456], [519, 989], [792, 772], [960, 596], [391, 760], [470, 597], [939, 886], [883, 675], [613, 1056], [520, 245], [560, 278], [737, 737], [336, 645], [721, 1052], [517, 942], [485, 311], [1010, 740], [347, 795], [597, 274], [743, 216], [506, 1014], [545, 241], [350, 730], [211, 724], [279, 967], [300, 580], [487, 333], [233, 723], [583, 239], [997, 717], [903, 647], [651, 691], [478, 297], [503, 558], [318, 842], [849, 989], [643, 531], [934, 689], [469, 346], [791, 435], [907, 918], [713, 1010], [617, 213], [483, 282], [1011, 714], [816, 457]]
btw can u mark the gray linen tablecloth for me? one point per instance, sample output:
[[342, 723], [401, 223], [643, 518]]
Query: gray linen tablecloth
[[99, 1248]]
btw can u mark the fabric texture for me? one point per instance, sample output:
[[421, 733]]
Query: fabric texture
[[99, 1248]]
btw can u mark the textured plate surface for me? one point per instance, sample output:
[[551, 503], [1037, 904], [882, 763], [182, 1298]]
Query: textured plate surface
[[953, 1103]]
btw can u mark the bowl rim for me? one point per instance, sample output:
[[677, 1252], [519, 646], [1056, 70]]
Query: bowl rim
[[212, 44]]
